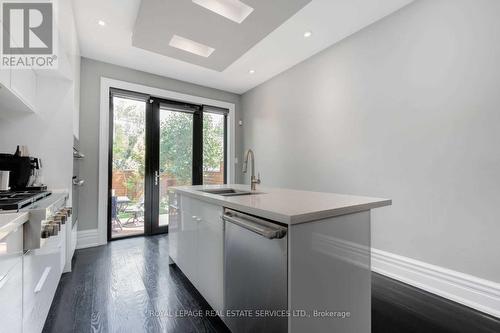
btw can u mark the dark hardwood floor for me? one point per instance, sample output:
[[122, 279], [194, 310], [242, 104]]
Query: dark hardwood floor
[[128, 286]]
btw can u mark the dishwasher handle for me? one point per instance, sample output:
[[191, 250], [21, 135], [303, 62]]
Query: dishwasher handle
[[266, 231]]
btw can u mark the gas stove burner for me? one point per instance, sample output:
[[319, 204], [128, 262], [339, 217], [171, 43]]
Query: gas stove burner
[[15, 200]]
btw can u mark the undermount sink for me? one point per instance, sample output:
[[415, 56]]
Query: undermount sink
[[229, 192]]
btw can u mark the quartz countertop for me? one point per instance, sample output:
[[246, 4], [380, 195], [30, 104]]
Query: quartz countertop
[[9, 222], [284, 205]]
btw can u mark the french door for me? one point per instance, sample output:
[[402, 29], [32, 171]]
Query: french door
[[155, 144]]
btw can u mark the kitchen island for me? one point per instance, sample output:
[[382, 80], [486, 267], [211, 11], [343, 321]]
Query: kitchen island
[[276, 259]]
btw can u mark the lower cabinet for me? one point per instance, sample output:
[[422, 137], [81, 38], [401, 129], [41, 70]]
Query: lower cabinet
[[42, 271], [11, 275], [195, 244]]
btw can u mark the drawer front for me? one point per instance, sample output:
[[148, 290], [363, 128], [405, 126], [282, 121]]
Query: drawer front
[[11, 298], [42, 270], [11, 249]]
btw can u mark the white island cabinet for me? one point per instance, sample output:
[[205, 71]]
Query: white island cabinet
[[195, 240], [287, 260]]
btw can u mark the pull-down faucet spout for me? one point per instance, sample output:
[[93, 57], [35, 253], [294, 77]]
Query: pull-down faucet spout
[[253, 180]]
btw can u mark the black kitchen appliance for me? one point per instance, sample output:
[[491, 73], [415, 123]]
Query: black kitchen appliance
[[15, 200], [23, 172]]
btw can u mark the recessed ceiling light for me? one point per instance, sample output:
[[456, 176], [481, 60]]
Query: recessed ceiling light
[[252, 71], [101, 23], [191, 46], [234, 10], [307, 34]]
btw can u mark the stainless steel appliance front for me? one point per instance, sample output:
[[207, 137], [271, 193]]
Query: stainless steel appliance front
[[255, 274]]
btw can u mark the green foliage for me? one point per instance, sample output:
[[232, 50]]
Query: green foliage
[[213, 141], [129, 135], [176, 142]]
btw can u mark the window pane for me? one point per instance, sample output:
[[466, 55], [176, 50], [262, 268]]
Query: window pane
[[176, 155], [129, 145], [213, 148]]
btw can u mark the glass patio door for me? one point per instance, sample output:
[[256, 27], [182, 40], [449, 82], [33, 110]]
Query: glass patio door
[[127, 167], [173, 154], [156, 144]]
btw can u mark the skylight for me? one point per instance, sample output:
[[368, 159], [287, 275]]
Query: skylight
[[191, 46], [234, 10]]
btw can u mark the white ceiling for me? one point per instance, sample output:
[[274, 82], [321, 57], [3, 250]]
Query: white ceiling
[[159, 20], [329, 20]]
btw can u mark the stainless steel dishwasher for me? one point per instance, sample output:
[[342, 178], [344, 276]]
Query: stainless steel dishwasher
[[255, 274]]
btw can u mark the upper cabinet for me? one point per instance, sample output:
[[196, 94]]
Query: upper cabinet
[[23, 82], [31, 90], [5, 77], [17, 92]]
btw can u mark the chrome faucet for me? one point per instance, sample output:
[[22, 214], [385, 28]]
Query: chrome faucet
[[253, 180]]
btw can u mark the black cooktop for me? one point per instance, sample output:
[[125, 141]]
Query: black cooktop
[[15, 200]]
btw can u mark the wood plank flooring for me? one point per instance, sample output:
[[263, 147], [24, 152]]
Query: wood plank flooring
[[128, 286]]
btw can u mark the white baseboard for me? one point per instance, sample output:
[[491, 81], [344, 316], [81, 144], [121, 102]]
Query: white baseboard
[[88, 238], [474, 292]]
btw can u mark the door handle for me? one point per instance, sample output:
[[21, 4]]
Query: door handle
[[42, 280], [157, 177], [267, 232], [4, 280]]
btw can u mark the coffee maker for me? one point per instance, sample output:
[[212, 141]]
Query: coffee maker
[[25, 171]]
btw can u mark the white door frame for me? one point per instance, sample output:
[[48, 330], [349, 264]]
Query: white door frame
[[106, 85]]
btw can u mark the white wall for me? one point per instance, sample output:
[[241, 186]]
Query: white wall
[[406, 109]]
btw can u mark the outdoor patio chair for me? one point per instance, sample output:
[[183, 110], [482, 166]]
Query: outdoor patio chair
[[137, 212], [115, 221]]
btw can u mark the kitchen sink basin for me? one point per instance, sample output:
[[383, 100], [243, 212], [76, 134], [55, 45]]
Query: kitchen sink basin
[[229, 192]]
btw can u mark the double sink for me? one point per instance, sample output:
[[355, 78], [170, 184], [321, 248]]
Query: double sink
[[229, 192]]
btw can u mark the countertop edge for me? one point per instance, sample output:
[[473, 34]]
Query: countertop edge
[[14, 224], [245, 209], [287, 219], [304, 218]]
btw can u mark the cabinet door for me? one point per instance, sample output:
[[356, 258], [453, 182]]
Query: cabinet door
[[174, 218], [11, 282], [42, 270], [199, 237], [11, 299], [187, 249], [5, 77], [23, 83], [210, 256]]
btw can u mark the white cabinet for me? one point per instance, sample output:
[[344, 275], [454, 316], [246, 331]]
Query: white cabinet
[[18, 91], [195, 245], [23, 83], [5, 77], [174, 224], [11, 297], [11, 276], [42, 271], [187, 246], [209, 253]]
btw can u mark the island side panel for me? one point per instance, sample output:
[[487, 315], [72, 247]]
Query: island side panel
[[329, 272]]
